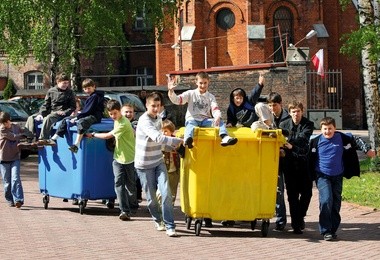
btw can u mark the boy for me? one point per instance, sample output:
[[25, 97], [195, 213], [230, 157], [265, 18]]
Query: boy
[[123, 155], [91, 113], [294, 165], [150, 165], [245, 111], [10, 134], [128, 111], [59, 103], [202, 109], [279, 114], [332, 156], [171, 160]]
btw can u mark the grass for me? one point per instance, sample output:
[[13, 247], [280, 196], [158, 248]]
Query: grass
[[365, 190]]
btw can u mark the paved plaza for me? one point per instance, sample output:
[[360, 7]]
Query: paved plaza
[[60, 232]]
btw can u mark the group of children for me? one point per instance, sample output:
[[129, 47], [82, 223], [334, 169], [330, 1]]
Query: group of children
[[147, 148]]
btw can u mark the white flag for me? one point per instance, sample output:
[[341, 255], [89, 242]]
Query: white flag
[[317, 60]]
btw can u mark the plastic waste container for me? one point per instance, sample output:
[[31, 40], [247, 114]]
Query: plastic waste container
[[85, 175], [236, 182]]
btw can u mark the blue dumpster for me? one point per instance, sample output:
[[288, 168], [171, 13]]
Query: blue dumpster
[[85, 175]]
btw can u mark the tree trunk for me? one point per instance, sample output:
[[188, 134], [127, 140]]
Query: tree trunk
[[54, 59], [75, 56], [370, 84]]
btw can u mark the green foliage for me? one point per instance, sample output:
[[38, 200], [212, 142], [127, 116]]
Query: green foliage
[[355, 41], [83, 26], [364, 191], [9, 90]]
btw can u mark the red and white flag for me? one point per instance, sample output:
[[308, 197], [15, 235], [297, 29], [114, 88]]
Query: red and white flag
[[317, 60]]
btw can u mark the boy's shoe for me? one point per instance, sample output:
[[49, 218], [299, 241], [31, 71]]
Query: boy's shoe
[[171, 232], [73, 148], [181, 151], [159, 226], [328, 237], [11, 204], [228, 140], [110, 204], [26, 145], [41, 141], [124, 216], [65, 200], [334, 235], [189, 142], [18, 204], [50, 142], [75, 202]]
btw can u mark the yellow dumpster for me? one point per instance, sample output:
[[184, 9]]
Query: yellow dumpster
[[236, 182]]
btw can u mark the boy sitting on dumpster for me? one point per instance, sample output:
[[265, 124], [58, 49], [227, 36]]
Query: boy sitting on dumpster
[[91, 113], [202, 109]]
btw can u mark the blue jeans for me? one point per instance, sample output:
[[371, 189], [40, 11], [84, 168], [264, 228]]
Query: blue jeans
[[280, 201], [150, 180], [330, 199], [191, 124], [13, 190], [125, 183]]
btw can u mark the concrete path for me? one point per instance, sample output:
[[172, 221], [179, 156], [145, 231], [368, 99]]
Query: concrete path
[[60, 232]]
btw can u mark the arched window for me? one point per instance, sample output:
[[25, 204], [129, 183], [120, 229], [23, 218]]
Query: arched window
[[284, 18], [34, 80]]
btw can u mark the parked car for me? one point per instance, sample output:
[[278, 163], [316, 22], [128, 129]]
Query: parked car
[[18, 116], [30, 103], [127, 98]]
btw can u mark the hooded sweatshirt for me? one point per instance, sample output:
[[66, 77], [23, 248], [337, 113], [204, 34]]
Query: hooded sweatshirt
[[245, 113], [94, 106]]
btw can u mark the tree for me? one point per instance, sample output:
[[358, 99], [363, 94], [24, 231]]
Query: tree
[[9, 90], [58, 32], [366, 42]]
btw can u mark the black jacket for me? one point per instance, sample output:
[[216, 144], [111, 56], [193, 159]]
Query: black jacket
[[245, 113], [94, 106], [350, 157]]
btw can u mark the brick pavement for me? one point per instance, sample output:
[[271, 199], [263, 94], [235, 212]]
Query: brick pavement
[[60, 232]]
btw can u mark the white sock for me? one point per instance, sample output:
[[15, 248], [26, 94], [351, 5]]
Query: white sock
[[55, 137]]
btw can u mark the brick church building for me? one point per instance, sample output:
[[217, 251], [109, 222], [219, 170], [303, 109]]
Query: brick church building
[[222, 36]]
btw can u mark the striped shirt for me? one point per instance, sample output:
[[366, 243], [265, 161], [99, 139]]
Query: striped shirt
[[149, 141]]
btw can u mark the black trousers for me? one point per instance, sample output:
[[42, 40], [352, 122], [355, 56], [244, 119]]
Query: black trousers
[[299, 190]]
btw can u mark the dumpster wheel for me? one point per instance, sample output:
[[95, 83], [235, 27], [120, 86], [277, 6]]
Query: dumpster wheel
[[188, 222], [198, 226], [82, 205], [45, 201], [253, 224], [265, 227]]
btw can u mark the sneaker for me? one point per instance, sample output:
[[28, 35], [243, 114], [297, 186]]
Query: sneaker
[[75, 202], [279, 227], [50, 142], [159, 226], [189, 142], [297, 231], [18, 204], [11, 204], [124, 216], [328, 237], [171, 232], [228, 140], [73, 148], [65, 200]]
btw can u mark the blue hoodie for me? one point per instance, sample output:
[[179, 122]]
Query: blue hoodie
[[94, 106]]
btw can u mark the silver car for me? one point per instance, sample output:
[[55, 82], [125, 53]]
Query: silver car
[[127, 98]]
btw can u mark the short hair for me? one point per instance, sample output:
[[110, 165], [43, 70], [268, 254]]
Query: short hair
[[202, 75], [168, 125], [129, 105], [274, 97], [295, 104], [327, 121], [4, 117], [155, 96], [88, 83], [113, 105], [62, 77], [238, 92]]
